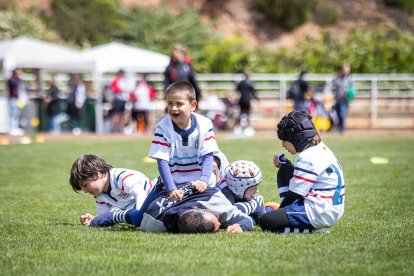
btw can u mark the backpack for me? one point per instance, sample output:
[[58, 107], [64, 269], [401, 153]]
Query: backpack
[[350, 93], [294, 91]]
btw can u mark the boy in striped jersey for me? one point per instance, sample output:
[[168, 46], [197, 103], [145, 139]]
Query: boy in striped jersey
[[114, 189], [184, 143], [313, 190]]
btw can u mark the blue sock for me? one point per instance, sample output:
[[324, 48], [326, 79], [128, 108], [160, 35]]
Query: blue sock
[[133, 216]]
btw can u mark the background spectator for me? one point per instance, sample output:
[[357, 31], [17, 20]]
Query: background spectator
[[340, 85], [52, 106], [232, 109], [247, 92], [213, 108], [76, 99], [18, 99], [142, 98], [119, 92], [180, 68], [300, 92]]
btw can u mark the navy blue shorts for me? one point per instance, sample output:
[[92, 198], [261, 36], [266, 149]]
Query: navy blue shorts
[[118, 106], [297, 216]]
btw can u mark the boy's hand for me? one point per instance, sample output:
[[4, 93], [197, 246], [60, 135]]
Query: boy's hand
[[86, 219], [234, 228], [279, 160], [175, 195], [276, 162], [199, 185]]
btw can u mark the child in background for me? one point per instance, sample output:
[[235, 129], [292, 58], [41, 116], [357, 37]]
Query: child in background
[[184, 143], [114, 189], [142, 98], [312, 191]]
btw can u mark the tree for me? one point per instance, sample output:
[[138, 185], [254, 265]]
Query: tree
[[80, 21]]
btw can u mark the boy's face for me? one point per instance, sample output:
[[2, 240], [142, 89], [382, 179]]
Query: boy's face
[[289, 147], [96, 187], [249, 193], [179, 107]]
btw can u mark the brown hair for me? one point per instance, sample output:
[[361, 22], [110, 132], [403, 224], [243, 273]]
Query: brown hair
[[85, 168], [315, 141], [182, 87]]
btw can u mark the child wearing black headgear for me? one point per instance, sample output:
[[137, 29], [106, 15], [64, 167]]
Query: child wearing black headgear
[[312, 190]]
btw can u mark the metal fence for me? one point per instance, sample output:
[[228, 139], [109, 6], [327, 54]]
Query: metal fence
[[379, 95], [370, 87]]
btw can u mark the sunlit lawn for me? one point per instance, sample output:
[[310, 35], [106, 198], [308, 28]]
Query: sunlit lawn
[[40, 233]]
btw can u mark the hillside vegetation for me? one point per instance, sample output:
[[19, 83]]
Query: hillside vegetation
[[229, 35]]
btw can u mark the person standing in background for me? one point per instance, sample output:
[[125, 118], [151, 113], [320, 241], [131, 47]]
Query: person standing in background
[[340, 84], [119, 93], [180, 68], [247, 92], [17, 100], [142, 98], [76, 99], [298, 92], [52, 106]]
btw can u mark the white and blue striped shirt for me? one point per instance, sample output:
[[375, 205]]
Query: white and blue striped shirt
[[319, 178], [184, 149], [127, 189]]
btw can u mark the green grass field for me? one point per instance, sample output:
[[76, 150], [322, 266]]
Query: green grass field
[[40, 233]]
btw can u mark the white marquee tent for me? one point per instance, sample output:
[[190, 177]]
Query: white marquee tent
[[24, 52], [111, 57], [114, 56]]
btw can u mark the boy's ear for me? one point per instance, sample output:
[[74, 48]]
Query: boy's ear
[[193, 105], [98, 175]]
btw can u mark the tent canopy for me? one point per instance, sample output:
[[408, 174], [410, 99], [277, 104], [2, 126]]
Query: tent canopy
[[114, 56], [24, 52]]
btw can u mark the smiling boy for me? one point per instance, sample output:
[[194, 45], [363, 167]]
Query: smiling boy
[[184, 143]]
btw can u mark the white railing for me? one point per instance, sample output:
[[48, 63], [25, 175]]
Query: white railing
[[372, 89], [274, 86]]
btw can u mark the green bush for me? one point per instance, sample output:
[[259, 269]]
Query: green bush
[[407, 5], [324, 13], [158, 30], [287, 14], [80, 21], [16, 23], [224, 55], [368, 51]]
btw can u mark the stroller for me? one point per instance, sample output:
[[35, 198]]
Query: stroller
[[323, 119]]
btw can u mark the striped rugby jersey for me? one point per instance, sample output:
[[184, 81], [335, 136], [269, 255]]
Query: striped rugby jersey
[[127, 189], [162, 214], [184, 149], [319, 178]]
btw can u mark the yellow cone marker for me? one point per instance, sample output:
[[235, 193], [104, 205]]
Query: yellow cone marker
[[25, 140], [149, 160], [40, 139], [379, 160], [4, 141]]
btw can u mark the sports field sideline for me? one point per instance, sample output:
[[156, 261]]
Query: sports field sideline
[[41, 234]]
